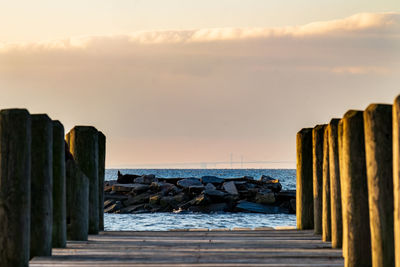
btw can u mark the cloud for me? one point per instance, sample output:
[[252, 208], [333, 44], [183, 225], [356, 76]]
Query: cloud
[[368, 22], [178, 96]]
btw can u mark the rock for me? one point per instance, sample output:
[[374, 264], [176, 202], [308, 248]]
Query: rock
[[146, 179], [210, 186], [126, 178], [201, 200], [195, 189], [113, 207], [181, 197], [265, 197], [163, 187], [230, 188], [131, 209], [256, 208], [168, 201], [267, 179], [107, 188], [214, 194], [115, 197], [154, 200], [140, 188], [108, 203], [186, 183], [126, 187], [292, 206], [139, 199], [212, 180]]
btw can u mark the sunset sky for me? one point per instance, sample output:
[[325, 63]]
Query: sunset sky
[[183, 81]]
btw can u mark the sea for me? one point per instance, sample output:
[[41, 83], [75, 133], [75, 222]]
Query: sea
[[173, 221]]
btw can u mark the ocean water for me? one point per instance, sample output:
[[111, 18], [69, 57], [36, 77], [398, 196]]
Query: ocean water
[[169, 221]]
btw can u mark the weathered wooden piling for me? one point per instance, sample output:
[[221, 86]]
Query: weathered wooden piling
[[304, 181], [41, 186], [379, 159], [334, 172], [15, 187], [318, 148], [77, 200], [59, 188], [344, 211], [326, 189], [102, 162], [396, 178], [85, 149], [355, 191]]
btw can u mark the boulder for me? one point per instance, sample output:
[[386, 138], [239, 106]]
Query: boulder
[[126, 187], [126, 178], [164, 187], [108, 203], [195, 189], [265, 197], [214, 194], [115, 197], [113, 207], [132, 208], [168, 201], [146, 179], [257, 208], [292, 206], [186, 183], [210, 186], [181, 197], [154, 200], [212, 180], [139, 199], [230, 188]]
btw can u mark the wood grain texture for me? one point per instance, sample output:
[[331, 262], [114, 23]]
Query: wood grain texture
[[206, 248]]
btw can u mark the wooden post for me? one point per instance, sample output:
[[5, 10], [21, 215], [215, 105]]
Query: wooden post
[[84, 147], [326, 189], [396, 178], [355, 191], [379, 158], [77, 202], [59, 187], [102, 162], [344, 211], [15, 187], [336, 199], [304, 190], [41, 186], [318, 145]]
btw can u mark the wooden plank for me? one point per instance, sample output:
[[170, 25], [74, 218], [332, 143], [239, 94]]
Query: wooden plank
[[207, 248]]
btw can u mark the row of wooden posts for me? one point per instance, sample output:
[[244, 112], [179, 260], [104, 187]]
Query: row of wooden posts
[[348, 184], [51, 185]]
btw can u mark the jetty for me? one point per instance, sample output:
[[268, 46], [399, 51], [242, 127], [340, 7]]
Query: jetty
[[347, 201]]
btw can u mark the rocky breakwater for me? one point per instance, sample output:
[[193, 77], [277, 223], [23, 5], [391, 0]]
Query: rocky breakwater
[[147, 193]]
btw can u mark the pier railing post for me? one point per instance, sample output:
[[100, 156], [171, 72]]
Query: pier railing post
[[102, 161], [396, 177], [355, 191], [15, 187], [85, 148], [379, 159], [304, 187], [59, 187], [326, 190], [317, 146], [336, 199], [41, 186]]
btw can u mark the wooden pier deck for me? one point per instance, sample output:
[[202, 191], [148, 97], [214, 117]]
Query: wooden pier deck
[[197, 248]]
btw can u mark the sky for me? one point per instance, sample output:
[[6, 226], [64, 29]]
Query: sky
[[187, 83]]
